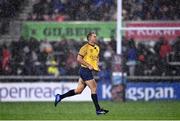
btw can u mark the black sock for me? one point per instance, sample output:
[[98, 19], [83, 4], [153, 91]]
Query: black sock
[[95, 101], [68, 94]]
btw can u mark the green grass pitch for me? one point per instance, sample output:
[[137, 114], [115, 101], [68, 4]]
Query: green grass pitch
[[155, 110]]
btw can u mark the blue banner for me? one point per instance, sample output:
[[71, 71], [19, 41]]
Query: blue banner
[[104, 90], [153, 91], [146, 91]]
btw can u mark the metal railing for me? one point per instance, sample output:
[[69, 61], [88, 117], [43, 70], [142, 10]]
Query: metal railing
[[75, 77], [39, 77], [149, 78]]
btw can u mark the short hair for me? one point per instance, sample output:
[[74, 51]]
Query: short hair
[[89, 34]]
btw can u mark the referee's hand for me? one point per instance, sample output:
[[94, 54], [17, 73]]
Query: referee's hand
[[90, 67], [99, 69]]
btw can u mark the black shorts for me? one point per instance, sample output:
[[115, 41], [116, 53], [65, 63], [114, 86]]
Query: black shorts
[[85, 74]]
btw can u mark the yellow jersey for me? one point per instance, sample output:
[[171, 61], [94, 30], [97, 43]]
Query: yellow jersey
[[90, 54]]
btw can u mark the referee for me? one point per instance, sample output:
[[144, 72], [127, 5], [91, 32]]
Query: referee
[[88, 57]]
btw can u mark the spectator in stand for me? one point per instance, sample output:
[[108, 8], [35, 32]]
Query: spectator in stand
[[71, 64], [48, 7], [38, 8], [58, 5], [32, 17], [82, 14], [113, 43], [165, 49], [132, 57], [141, 51], [108, 53], [158, 44], [1, 60], [176, 48], [6, 56], [59, 16], [47, 10], [52, 66]]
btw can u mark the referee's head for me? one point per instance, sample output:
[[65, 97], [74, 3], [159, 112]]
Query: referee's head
[[90, 34]]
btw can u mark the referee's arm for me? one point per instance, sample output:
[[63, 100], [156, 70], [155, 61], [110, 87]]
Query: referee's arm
[[81, 61]]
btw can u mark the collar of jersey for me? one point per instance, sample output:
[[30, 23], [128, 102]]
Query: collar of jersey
[[91, 44]]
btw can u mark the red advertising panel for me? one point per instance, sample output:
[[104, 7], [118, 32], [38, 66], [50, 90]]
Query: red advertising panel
[[144, 35]]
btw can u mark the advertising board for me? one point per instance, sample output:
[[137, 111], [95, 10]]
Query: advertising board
[[39, 91]]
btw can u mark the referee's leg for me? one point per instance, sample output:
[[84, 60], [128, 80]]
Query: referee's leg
[[81, 86], [93, 87]]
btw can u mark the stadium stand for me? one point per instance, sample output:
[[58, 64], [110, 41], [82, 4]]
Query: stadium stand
[[163, 10], [8, 10], [46, 58], [72, 10], [32, 57], [35, 57], [101, 10]]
